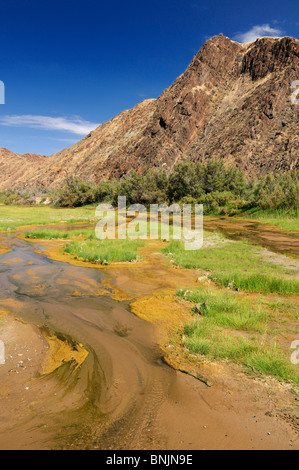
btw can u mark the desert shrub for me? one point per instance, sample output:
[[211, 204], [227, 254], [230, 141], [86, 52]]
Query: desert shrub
[[278, 191], [223, 191], [10, 197], [74, 193], [186, 179], [103, 192], [148, 189]]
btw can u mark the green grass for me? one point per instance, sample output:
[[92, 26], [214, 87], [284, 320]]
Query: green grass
[[237, 265], [90, 248], [227, 310], [282, 307], [12, 217], [96, 251], [234, 329], [280, 218], [49, 234]]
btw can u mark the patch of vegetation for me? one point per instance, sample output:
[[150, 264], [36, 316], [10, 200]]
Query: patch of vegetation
[[279, 217], [233, 328], [222, 191], [282, 308], [78, 193], [89, 248], [227, 309], [102, 251], [236, 265], [13, 217], [49, 234]]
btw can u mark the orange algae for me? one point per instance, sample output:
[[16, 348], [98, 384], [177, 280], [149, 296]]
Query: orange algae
[[61, 352]]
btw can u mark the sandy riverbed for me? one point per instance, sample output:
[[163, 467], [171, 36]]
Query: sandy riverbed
[[123, 395]]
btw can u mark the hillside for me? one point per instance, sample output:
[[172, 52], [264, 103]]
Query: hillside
[[233, 102], [15, 168]]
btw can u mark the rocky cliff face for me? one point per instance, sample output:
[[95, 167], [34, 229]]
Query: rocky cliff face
[[233, 103], [17, 169]]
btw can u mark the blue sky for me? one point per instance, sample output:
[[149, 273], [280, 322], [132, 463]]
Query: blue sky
[[69, 65]]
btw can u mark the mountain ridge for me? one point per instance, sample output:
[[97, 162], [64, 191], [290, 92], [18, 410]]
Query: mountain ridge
[[231, 103]]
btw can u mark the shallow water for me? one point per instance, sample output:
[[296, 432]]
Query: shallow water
[[268, 236], [124, 396], [119, 371]]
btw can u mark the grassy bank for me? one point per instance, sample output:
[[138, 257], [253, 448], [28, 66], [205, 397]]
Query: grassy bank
[[50, 234], [237, 265], [99, 251], [280, 218], [244, 312], [245, 309], [13, 217], [83, 245], [246, 331]]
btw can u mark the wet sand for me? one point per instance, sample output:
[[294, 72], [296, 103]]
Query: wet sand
[[268, 236], [123, 396]]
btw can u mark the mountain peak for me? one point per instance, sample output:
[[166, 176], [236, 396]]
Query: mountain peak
[[231, 103], [267, 55]]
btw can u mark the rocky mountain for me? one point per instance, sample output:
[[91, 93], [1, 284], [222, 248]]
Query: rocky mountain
[[233, 103], [17, 169]]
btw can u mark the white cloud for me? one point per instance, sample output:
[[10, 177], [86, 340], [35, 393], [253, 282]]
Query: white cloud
[[75, 125], [258, 31]]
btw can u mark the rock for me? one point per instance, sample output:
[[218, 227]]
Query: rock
[[202, 279], [201, 309], [189, 120]]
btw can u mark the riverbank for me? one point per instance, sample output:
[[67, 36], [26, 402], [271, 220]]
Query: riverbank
[[151, 286], [176, 411], [94, 307], [261, 311], [20, 391]]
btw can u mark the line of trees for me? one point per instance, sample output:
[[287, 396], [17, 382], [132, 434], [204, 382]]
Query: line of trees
[[222, 191]]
